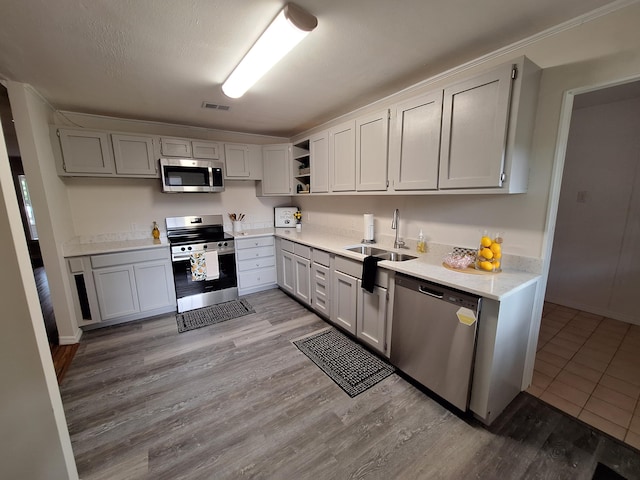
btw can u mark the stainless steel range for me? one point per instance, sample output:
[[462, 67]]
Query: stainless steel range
[[190, 238]]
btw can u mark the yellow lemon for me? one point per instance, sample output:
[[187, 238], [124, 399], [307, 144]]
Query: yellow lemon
[[496, 264], [486, 253], [495, 247], [485, 242], [486, 266], [497, 254]]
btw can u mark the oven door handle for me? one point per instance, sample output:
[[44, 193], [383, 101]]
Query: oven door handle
[[179, 258]]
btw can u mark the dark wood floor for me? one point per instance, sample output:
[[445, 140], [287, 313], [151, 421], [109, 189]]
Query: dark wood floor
[[238, 400]]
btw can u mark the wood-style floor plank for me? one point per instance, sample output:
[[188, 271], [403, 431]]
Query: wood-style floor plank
[[239, 400]]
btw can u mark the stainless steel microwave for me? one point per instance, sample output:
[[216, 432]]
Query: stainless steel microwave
[[189, 175]]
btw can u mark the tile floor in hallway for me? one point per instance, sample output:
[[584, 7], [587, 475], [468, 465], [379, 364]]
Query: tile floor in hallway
[[589, 367]]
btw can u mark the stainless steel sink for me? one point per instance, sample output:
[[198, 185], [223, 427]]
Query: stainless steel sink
[[366, 250], [396, 257], [381, 253]]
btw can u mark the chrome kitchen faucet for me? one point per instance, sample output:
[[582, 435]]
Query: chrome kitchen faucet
[[395, 225]]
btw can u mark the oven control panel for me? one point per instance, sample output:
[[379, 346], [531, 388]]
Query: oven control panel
[[222, 247]]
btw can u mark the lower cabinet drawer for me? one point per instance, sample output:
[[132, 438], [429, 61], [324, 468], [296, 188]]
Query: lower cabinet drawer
[[252, 264], [255, 252], [255, 278]]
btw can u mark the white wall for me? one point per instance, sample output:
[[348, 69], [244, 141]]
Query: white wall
[[32, 116], [593, 266], [34, 442], [102, 206]]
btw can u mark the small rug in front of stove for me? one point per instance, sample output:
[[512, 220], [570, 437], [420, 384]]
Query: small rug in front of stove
[[347, 363], [203, 317]]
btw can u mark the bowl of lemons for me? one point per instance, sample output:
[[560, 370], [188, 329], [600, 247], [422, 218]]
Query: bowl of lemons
[[489, 257]]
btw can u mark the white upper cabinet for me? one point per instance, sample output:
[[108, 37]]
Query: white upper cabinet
[[276, 164], [372, 142], [342, 157], [175, 147], [487, 124], [206, 150], [319, 159], [415, 142], [186, 148], [134, 155], [242, 161], [86, 151], [236, 160]]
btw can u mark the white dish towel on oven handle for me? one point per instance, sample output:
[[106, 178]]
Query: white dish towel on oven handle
[[213, 267]]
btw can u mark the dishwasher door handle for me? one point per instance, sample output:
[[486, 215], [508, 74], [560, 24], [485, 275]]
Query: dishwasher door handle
[[431, 293]]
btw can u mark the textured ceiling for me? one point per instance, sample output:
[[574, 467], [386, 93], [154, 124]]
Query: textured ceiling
[[160, 59]]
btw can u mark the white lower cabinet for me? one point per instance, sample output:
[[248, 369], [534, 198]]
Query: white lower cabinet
[[330, 284], [358, 311], [116, 291], [345, 301], [124, 286], [256, 264], [295, 266], [371, 317], [321, 282]]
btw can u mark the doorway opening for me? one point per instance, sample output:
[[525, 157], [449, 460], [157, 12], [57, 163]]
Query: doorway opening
[[588, 353], [20, 182]]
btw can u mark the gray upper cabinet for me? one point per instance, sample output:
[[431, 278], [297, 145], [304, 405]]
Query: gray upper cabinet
[[319, 159], [134, 155], [236, 160], [242, 161], [276, 175], [206, 150], [186, 148], [342, 157], [487, 125], [415, 143], [175, 147], [372, 143], [85, 152]]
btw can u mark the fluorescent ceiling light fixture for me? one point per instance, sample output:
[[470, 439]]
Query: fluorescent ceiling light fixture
[[287, 30]]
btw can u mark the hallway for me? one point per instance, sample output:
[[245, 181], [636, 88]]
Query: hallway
[[588, 366]]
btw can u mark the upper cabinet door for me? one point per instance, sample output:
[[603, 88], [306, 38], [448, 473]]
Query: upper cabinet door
[[276, 169], [208, 150], [415, 142], [319, 159], [134, 155], [342, 157], [86, 151], [236, 160], [474, 130], [175, 147], [372, 143]]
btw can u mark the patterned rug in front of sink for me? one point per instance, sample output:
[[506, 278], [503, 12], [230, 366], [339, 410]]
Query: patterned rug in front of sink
[[346, 362]]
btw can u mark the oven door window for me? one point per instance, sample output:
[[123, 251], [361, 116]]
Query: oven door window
[[186, 286], [186, 176]]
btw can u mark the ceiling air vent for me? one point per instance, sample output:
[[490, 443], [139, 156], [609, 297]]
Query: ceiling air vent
[[215, 106]]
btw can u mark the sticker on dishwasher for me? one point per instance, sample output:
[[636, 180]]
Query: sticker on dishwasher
[[466, 316]]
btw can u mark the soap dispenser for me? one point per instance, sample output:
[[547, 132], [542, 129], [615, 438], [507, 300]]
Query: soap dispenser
[[421, 246]]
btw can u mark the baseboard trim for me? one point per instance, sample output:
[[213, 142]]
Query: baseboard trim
[[595, 310], [70, 339]]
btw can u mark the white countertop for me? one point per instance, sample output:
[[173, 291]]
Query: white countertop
[[74, 249], [428, 266]]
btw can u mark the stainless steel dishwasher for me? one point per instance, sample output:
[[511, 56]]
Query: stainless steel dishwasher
[[434, 336]]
